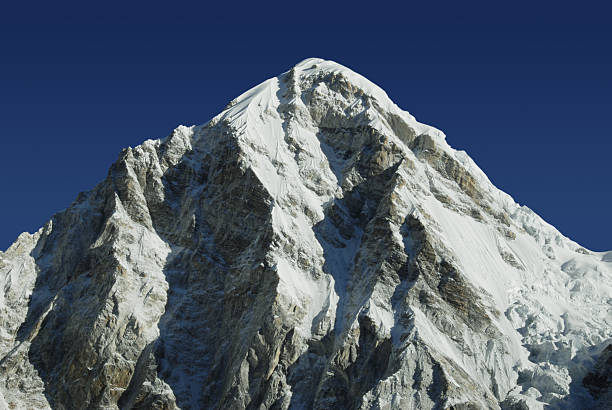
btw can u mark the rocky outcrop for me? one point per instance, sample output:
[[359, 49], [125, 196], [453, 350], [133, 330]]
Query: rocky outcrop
[[599, 380], [312, 246]]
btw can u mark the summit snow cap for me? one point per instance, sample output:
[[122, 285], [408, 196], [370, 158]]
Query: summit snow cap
[[314, 71]]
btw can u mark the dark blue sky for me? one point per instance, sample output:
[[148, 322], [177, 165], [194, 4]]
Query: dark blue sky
[[525, 91]]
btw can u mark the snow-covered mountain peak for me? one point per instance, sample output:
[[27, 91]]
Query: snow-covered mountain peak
[[315, 75], [312, 246]]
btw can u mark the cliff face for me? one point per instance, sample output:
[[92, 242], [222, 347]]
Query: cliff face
[[312, 246]]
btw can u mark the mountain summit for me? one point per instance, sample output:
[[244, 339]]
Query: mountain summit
[[312, 246]]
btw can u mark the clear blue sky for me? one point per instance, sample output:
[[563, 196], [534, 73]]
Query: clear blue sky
[[525, 91]]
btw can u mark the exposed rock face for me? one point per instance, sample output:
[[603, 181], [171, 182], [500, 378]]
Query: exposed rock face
[[312, 246], [599, 380]]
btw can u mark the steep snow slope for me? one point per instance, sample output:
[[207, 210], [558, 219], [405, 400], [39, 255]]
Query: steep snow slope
[[312, 246]]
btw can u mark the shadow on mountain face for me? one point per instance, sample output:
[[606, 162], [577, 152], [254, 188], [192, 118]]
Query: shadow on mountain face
[[215, 272], [218, 231], [73, 284], [350, 237]]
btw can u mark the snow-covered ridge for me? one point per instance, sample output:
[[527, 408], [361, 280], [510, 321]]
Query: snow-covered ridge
[[263, 99]]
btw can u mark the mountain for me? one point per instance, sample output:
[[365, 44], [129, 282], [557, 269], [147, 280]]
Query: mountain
[[312, 246]]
